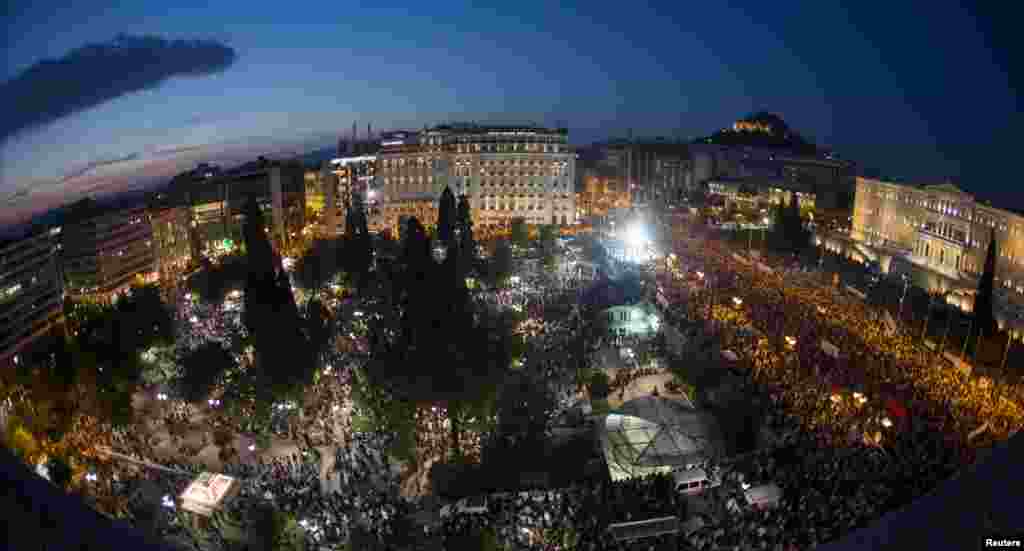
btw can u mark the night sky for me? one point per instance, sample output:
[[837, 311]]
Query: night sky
[[920, 91]]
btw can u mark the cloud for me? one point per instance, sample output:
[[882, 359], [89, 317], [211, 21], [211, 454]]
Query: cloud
[[97, 73], [168, 151], [93, 165]]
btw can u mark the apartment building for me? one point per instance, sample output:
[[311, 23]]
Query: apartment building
[[216, 200], [505, 171], [104, 251], [31, 290], [172, 247], [828, 180], [655, 171]]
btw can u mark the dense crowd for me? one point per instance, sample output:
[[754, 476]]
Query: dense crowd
[[834, 479]]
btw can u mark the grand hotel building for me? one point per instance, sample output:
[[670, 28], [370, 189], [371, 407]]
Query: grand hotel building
[[942, 231], [505, 171]]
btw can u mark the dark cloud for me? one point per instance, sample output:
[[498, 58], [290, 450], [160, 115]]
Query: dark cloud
[[96, 73]]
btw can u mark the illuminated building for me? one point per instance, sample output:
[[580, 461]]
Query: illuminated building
[[105, 251], [31, 290], [217, 199], [654, 171], [506, 172], [940, 234], [828, 180], [172, 251], [601, 191]]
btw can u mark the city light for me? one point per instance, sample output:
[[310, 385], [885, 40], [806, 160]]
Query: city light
[[252, 447], [886, 422], [636, 236], [737, 301], [791, 341], [836, 398], [91, 477], [700, 275]]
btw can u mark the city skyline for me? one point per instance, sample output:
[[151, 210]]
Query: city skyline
[[291, 85]]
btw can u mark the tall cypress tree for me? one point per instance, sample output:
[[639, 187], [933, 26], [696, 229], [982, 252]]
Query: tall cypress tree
[[358, 249], [984, 322], [259, 281], [446, 216], [467, 242], [794, 226]]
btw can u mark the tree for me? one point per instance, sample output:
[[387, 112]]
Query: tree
[[283, 359], [60, 471], [984, 322], [358, 250], [319, 264], [525, 408], [467, 242], [599, 385], [202, 368], [500, 265], [794, 224], [548, 237], [520, 235], [446, 217], [214, 281]]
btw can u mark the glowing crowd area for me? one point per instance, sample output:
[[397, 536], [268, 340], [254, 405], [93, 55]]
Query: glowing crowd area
[[820, 354]]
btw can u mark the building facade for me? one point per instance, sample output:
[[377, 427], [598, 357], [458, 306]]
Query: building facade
[[942, 230], [172, 247], [216, 201], [601, 191], [830, 181], [506, 172], [105, 251], [31, 291], [655, 171]]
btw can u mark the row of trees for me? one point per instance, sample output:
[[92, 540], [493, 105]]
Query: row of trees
[[66, 388]]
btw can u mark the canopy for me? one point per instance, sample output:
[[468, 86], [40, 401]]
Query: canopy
[[652, 434], [207, 492]]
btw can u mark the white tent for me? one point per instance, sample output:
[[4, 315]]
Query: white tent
[[652, 434]]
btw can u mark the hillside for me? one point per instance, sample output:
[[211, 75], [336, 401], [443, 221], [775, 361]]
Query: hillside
[[762, 129]]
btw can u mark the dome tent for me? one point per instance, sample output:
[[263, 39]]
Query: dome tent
[[652, 434]]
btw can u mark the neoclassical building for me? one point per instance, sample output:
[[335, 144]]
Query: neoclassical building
[[941, 233], [506, 172]]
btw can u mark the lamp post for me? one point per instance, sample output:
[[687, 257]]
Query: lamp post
[[906, 283]]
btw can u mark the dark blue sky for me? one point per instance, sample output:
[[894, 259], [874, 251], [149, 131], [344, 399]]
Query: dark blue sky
[[921, 91]]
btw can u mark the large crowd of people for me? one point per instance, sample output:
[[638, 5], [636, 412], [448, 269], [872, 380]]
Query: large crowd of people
[[852, 436]]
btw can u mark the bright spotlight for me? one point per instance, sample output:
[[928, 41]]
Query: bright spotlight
[[636, 235]]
